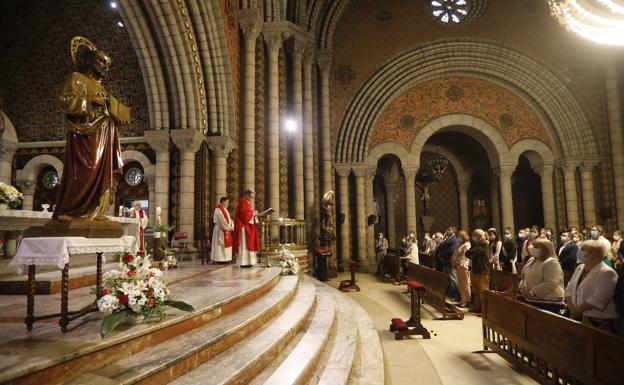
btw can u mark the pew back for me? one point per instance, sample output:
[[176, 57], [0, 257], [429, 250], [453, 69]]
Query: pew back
[[435, 283], [504, 282], [550, 348]]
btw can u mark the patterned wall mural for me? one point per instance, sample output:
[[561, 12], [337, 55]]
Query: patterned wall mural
[[39, 61], [411, 111]]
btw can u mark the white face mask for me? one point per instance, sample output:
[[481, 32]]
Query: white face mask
[[506, 237], [520, 235], [564, 238], [575, 239]]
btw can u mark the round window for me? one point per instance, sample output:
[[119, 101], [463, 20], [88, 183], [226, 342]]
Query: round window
[[134, 176], [50, 179]]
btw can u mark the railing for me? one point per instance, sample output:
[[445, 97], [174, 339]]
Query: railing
[[550, 348], [290, 233]]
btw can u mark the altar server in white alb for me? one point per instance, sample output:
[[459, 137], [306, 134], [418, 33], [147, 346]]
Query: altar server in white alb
[[222, 233], [138, 212]]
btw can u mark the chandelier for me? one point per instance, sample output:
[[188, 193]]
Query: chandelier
[[437, 166], [601, 21]]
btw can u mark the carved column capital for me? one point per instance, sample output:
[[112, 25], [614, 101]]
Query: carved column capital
[[26, 186], [505, 170], [568, 165], [273, 40], [297, 46], [249, 21], [588, 165], [220, 146], [359, 170], [342, 169], [158, 140], [323, 58], [187, 140], [309, 56], [410, 173]]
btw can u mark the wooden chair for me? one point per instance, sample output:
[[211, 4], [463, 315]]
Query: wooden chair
[[178, 243]]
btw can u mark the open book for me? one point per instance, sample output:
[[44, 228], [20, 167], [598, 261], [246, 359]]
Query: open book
[[266, 212]]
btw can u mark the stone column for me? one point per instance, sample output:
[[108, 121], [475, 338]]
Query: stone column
[[360, 209], [410, 198], [150, 179], [587, 186], [308, 145], [548, 198], [27, 187], [297, 49], [249, 21], [462, 186], [391, 189], [370, 210], [158, 140], [495, 203], [504, 173], [324, 63], [343, 172], [273, 42], [7, 151], [616, 137], [188, 141], [569, 178], [221, 148]]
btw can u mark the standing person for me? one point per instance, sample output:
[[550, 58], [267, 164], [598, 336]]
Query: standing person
[[137, 212], [542, 277], [508, 252], [617, 247], [222, 233], [246, 239], [597, 233], [413, 248], [522, 236], [495, 248], [443, 255], [480, 274], [381, 249], [534, 232], [589, 295], [567, 255], [462, 267]]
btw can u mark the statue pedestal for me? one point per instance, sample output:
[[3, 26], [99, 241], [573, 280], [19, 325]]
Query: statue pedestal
[[83, 228], [332, 271]]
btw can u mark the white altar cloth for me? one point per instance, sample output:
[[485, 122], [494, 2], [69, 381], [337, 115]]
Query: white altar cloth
[[55, 251]]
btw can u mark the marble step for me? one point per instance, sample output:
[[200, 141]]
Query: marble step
[[302, 360], [162, 364], [368, 366], [243, 361], [334, 368], [47, 356], [50, 282]]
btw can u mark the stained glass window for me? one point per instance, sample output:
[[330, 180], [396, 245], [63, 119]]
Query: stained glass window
[[450, 11]]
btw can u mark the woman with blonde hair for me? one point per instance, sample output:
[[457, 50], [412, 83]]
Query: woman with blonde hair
[[589, 294], [542, 277], [462, 266]]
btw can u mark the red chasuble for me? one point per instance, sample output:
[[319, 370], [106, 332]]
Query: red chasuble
[[141, 230], [227, 235], [244, 214]]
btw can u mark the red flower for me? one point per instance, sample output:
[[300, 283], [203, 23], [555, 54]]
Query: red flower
[[131, 273], [104, 292], [123, 299], [149, 293], [128, 258], [151, 303]]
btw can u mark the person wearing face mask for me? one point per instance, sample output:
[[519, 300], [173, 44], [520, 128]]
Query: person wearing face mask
[[576, 238], [533, 235], [480, 271], [542, 277], [617, 247], [443, 256], [567, 255], [589, 295], [462, 266], [381, 250], [522, 236], [597, 233], [508, 252], [495, 248]]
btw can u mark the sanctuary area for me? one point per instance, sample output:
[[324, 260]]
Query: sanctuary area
[[336, 192]]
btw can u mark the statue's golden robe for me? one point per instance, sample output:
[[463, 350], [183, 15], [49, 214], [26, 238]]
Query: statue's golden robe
[[92, 152]]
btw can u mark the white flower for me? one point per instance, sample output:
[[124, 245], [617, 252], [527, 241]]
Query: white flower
[[108, 303]]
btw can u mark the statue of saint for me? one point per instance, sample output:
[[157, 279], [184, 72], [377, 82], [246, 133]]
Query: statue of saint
[[328, 224], [92, 153]]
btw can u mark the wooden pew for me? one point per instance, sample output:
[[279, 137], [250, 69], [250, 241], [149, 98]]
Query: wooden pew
[[550, 348], [393, 264], [504, 282], [435, 283]]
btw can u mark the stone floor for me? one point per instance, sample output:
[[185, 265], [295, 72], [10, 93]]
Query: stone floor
[[450, 357]]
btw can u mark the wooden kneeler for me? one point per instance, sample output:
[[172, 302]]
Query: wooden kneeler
[[412, 326]]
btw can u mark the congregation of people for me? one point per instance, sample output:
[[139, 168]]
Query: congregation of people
[[579, 274]]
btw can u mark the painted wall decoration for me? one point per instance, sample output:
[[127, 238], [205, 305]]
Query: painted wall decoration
[[407, 114]]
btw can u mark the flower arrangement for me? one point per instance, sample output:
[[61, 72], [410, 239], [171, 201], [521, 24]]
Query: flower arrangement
[[9, 194], [288, 263], [163, 228], [169, 261], [134, 289]]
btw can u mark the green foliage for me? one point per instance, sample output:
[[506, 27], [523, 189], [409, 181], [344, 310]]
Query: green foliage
[[111, 321]]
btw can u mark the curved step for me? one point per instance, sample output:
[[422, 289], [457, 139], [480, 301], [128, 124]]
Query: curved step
[[164, 363], [240, 363], [368, 368], [296, 368], [335, 367]]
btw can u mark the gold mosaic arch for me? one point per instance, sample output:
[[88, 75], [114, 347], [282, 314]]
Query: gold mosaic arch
[[408, 113]]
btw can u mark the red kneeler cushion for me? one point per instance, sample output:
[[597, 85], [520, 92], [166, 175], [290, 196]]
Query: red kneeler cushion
[[399, 324], [415, 285]]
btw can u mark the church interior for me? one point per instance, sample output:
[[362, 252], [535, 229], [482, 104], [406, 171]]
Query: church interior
[[200, 177]]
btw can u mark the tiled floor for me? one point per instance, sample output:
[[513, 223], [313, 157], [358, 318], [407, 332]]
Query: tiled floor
[[450, 357]]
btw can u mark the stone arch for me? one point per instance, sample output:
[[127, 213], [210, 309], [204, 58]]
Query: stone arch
[[489, 137], [31, 170], [148, 168], [387, 148], [474, 57], [535, 151]]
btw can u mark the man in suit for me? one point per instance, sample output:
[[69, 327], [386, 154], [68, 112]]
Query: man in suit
[[567, 255], [443, 256], [381, 249], [508, 252]]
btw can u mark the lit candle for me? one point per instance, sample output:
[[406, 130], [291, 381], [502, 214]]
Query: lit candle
[[158, 215], [121, 210]]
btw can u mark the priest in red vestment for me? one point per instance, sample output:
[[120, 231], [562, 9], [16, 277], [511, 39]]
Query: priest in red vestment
[[138, 212], [246, 241]]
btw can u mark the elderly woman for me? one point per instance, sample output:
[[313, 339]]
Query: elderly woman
[[542, 277], [462, 266], [589, 294]]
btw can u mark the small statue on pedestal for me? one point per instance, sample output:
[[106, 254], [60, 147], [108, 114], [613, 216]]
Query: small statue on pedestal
[[328, 224]]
